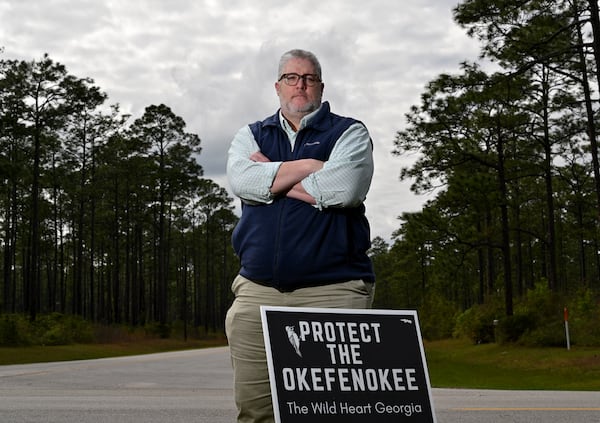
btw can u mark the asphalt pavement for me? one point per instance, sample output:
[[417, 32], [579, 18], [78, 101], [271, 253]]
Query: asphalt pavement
[[196, 386]]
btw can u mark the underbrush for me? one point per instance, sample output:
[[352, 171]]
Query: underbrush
[[17, 330], [50, 329], [538, 320]]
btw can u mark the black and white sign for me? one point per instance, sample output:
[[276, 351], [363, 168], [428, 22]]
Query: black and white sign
[[339, 365]]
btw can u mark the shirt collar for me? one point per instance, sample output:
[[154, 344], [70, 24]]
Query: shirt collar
[[303, 123]]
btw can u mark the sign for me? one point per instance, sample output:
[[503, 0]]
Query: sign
[[340, 366]]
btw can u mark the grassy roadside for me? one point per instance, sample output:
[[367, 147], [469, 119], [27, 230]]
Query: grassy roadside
[[460, 364], [39, 354], [451, 363]]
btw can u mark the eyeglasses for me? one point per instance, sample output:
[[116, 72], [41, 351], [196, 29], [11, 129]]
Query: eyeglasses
[[292, 79]]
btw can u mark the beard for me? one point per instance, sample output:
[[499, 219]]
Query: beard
[[311, 106], [304, 109]]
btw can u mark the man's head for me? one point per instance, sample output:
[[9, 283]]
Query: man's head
[[299, 84]]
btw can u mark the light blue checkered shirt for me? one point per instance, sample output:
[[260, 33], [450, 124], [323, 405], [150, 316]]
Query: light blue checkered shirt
[[343, 181]]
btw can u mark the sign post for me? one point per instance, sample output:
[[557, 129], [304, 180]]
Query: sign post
[[340, 365], [566, 316]]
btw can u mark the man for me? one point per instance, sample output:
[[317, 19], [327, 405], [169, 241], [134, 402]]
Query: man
[[303, 175]]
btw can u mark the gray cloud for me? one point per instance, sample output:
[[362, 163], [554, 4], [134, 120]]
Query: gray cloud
[[214, 63]]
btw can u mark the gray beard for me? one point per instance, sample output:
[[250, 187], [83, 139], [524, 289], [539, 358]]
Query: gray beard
[[306, 109]]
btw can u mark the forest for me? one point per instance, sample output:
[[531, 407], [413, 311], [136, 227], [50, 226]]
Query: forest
[[108, 218], [508, 149], [103, 216]]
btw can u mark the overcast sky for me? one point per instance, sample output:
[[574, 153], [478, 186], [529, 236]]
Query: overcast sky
[[214, 63]]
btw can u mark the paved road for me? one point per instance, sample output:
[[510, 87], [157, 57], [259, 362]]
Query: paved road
[[195, 386]]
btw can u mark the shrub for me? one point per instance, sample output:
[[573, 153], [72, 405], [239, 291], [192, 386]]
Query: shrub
[[436, 317], [60, 329], [162, 330], [14, 331], [49, 329], [551, 334], [512, 328], [584, 318], [537, 320], [477, 323], [540, 315]]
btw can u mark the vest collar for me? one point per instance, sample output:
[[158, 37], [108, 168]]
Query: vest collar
[[316, 121]]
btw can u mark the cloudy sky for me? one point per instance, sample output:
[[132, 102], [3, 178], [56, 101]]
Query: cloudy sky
[[214, 62]]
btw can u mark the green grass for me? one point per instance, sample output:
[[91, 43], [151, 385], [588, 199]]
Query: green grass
[[39, 354], [460, 364], [451, 363]]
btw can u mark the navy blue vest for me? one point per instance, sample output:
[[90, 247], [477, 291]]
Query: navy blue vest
[[290, 244]]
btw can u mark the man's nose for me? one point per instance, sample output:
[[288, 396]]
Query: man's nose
[[302, 83]]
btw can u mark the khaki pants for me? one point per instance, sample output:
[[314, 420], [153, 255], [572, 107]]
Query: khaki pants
[[244, 332]]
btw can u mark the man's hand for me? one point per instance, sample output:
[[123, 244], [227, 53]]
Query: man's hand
[[289, 176], [292, 173]]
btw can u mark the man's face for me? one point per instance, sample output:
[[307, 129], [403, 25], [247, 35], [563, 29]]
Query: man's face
[[300, 99]]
